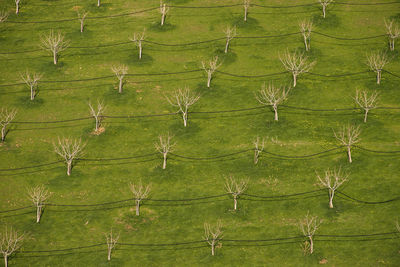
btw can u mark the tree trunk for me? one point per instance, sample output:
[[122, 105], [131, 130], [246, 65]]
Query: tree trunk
[[226, 46], [97, 123], [109, 254], [54, 57], [311, 245], [378, 77], [5, 261], [38, 213], [331, 194], [184, 115], [209, 80], [81, 25], [276, 113], [294, 79], [245, 14], [165, 161], [32, 93], [305, 43], [324, 10], [366, 115], [349, 153], [137, 207], [235, 202], [69, 167], [98, 2], [256, 156], [16, 8], [140, 49], [213, 248], [162, 19], [3, 133], [120, 86], [391, 44]]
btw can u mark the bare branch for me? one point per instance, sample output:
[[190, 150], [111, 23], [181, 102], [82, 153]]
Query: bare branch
[[120, 71], [6, 116], [376, 61], [183, 99], [31, 79], [137, 39], [3, 15], [258, 148], [139, 192], [230, 33], [309, 225], [69, 149], [163, 10], [393, 32], [348, 136], [235, 188], [81, 17], [366, 102], [332, 180], [55, 43], [97, 113], [10, 241], [305, 29], [164, 146], [296, 63], [210, 68], [112, 240], [272, 96], [324, 4], [39, 194], [212, 235]]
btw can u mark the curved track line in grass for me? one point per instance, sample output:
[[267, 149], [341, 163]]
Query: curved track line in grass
[[366, 202]]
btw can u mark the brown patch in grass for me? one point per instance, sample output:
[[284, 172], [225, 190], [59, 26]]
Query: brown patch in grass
[[323, 261], [99, 131]]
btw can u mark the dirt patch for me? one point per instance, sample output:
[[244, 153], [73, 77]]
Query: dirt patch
[[98, 131], [323, 261]]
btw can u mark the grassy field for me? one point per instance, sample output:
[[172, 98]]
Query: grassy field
[[372, 176]]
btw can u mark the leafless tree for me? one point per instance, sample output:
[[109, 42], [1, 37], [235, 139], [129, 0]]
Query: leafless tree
[[163, 10], [3, 15], [376, 62], [39, 194], [183, 99], [348, 136], [235, 188], [81, 17], [296, 63], [112, 240], [164, 146], [97, 113], [31, 79], [309, 225], [120, 71], [6, 116], [272, 96], [10, 241], [139, 192], [305, 29], [69, 149], [55, 43], [324, 4], [366, 102], [332, 180], [393, 32], [246, 5], [258, 148], [137, 39], [210, 68], [213, 235], [17, 6], [230, 33]]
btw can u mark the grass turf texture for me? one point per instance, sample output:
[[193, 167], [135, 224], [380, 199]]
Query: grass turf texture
[[373, 177]]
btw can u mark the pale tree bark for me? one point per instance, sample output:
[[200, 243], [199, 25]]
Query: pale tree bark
[[376, 61], [97, 113], [120, 71], [309, 225], [246, 5], [305, 29], [183, 99], [140, 192], [210, 68], [230, 33], [332, 180], [324, 4], [348, 136], [17, 2], [10, 242], [31, 79], [69, 149], [6, 117], [272, 96], [163, 10], [366, 102], [112, 240], [3, 16], [98, 2], [39, 194], [213, 235], [55, 43], [164, 146], [235, 188], [81, 18], [393, 32], [138, 38], [258, 148], [296, 63]]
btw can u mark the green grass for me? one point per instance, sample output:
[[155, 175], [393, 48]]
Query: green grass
[[373, 177]]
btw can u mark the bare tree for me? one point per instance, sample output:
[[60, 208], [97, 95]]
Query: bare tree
[[235, 188], [164, 146], [120, 71], [137, 39], [246, 5], [324, 4], [31, 79], [112, 240], [69, 149], [139, 192], [376, 62], [183, 99], [163, 10], [366, 102], [6, 116], [97, 113], [17, 6], [230, 33], [210, 68], [332, 180], [3, 15], [39, 194], [296, 63], [10, 241], [81, 18], [393, 32], [212, 235], [272, 96], [309, 225], [55, 43], [258, 148], [348, 136], [305, 29]]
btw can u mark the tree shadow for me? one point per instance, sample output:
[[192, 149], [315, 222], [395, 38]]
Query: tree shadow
[[331, 20], [26, 102], [156, 27]]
